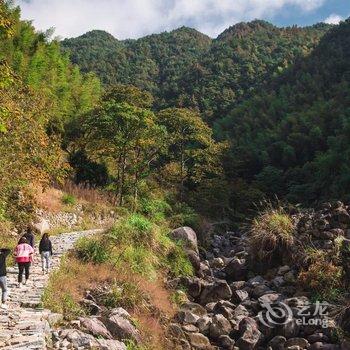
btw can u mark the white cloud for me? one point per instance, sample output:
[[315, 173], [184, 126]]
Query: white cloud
[[134, 18], [333, 19]]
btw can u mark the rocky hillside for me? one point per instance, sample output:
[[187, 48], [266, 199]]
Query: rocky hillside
[[290, 302], [245, 297]]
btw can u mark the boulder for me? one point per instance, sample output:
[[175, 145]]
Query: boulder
[[236, 269], [196, 309], [217, 263], [277, 342], [302, 343], [250, 334], [111, 344], [203, 324], [226, 342], [215, 291], [119, 311], [220, 326], [121, 328], [175, 331], [199, 341], [187, 236], [239, 295], [193, 285], [95, 327], [91, 306], [184, 316], [79, 339]]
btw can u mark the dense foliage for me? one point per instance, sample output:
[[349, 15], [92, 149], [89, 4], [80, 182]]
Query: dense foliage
[[185, 68], [268, 91], [39, 62], [292, 138], [40, 90]]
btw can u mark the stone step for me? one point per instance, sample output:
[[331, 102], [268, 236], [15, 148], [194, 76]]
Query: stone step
[[24, 325]]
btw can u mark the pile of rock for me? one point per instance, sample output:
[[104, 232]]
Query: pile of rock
[[230, 306], [101, 331]]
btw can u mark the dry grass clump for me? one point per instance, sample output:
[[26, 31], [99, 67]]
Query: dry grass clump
[[272, 231], [49, 199], [323, 278], [88, 193]]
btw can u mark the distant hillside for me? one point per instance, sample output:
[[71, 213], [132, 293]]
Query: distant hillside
[[188, 69], [293, 137]]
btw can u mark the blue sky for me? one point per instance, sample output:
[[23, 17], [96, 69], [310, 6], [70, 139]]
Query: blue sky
[[136, 18]]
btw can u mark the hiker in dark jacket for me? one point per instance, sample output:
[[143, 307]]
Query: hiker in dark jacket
[[4, 252], [45, 250], [29, 236]]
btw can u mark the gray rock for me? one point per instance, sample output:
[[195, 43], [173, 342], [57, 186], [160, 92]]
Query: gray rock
[[111, 344], [187, 236], [277, 342], [185, 316], [196, 309], [236, 269], [199, 341], [301, 342], [119, 311], [239, 295], [250, 334], [95, 327], [175, 331], [79, 339], [226, 342], [203, 324], [220, 326], [122, 328], [218, 290]]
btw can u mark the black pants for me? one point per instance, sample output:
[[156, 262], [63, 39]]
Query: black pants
[[23, 266]]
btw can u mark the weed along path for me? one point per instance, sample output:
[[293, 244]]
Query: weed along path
[[25, 324]]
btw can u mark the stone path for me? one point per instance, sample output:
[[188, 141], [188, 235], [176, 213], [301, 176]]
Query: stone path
[[25, 325]]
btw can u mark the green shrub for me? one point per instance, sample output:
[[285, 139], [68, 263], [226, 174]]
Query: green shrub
[[177, 261], [133, 229], [68, 199], [123, 294], [156, 209], [140, 259], [93, 250], [183, 215]]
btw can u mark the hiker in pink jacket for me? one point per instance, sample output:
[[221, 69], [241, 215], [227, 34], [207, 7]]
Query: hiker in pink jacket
[[23, 253]]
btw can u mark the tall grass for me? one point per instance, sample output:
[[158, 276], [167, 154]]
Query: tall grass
[[271, 232]]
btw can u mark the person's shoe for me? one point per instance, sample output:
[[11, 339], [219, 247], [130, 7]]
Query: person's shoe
[[19, 285], [43, 272], [25, 282]]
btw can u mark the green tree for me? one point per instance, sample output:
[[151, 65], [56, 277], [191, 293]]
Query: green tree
[[124, 136], [192, 152]]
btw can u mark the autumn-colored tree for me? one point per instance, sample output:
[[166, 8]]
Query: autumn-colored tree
[[27, 153]]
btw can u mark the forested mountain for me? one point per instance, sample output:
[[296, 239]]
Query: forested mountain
[[155, 63], [292, 138], [278, 95], [188, 69]]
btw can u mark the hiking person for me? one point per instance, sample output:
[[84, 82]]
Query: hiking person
[[45, 250], [23, 253], [29, 235], [4, 252]]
